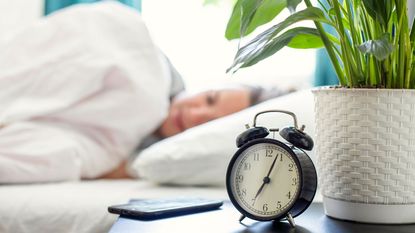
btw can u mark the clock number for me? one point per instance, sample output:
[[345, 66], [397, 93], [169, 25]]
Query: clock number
[[247, 166], [265, 207], [281, 158], [290, 167], [279, 206], [294, 181], [240, 178], [243, 194], [289, 195], [256, 156], [268, 153]]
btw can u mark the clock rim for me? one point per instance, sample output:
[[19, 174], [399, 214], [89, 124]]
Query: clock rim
[[229, 170]]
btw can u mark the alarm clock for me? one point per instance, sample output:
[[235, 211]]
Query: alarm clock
[[268, 179]]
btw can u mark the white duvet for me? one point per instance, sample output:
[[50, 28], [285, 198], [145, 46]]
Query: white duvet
[[80, 207], [78, 91]]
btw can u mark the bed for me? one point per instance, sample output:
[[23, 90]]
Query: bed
[[79, 206], [190, 164]]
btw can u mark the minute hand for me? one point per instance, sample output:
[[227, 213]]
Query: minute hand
[[272, 166], [266, 179]]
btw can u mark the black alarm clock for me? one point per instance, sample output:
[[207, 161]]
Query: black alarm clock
[[268, 179]]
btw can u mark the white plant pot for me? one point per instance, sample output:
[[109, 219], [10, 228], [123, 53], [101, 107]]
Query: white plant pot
[[365, 145]]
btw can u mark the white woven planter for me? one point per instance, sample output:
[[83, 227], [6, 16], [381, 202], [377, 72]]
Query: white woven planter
[[365, 143]]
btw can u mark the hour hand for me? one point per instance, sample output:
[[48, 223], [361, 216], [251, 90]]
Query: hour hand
[[266, 180]]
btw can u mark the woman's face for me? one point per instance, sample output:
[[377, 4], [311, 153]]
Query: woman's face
[[187, 111]]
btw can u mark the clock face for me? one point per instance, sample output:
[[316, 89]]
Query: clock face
[[264, 180]]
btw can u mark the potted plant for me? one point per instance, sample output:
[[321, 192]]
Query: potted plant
[[365, 127]]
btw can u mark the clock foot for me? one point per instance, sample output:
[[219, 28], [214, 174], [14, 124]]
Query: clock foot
[[290, 220], [241, 218]]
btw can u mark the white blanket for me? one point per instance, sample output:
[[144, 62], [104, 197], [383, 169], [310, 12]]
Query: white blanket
[[78, 90], [78, 207]]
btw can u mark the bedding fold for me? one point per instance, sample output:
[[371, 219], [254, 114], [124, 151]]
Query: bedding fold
[[78, 91]]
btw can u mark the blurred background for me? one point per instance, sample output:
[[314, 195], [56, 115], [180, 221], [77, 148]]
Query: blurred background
[[191, 33]]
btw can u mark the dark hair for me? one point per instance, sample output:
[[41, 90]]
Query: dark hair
[[260, 94]]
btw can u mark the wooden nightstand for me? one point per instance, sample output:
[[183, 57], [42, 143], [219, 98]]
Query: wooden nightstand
[[225, 220]]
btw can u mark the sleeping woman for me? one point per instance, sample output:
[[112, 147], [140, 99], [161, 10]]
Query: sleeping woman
[[83, 88]]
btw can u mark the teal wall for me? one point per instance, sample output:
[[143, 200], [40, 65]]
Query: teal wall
[[54, 5]]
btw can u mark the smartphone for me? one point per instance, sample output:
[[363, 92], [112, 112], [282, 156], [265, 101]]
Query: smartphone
[[149, 209]]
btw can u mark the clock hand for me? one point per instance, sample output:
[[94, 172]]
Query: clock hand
[[266, 179], [272, 166]]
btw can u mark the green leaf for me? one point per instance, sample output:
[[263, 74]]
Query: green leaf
[[380, 48], [292, 5], [265, 50], [379, 10], [310, 13], [264, 13], [412, 41], [248, 10], [306, 41], [331, 12], [412, 37], [333, 39], [345, 20]]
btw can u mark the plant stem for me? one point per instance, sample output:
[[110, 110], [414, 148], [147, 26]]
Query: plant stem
[[329, 48], [355, 38], [365, 35], [347, 51], [412, 60], [407, 46], [323, 6]]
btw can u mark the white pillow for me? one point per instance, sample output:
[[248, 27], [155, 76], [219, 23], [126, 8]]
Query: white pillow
[[200, 156]]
